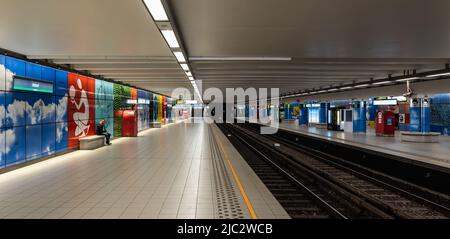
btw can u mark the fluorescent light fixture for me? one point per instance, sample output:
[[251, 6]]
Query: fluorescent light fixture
[[171, 39], [179, 55], [436, 75], [407, 79], [313, 92], [364, 85], [185, 67], [382, 82], [332, 90], [346, 88], [191, 78], [157, 10], [322, 91], [240, 58], [188, 73]]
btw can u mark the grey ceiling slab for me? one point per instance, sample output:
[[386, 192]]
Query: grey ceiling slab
[[329, 38]]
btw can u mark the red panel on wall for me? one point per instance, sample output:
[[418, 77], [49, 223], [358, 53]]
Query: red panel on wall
[[81, 109]]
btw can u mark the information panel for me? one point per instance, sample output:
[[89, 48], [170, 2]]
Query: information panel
[[27, 84]]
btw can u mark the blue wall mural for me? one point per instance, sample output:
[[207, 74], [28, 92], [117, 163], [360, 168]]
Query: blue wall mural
[[33, 125]]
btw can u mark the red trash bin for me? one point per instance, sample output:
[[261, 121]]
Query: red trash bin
[[129, 123], [385, 123]]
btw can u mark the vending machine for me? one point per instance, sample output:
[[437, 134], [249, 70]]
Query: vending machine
[[385, 123]]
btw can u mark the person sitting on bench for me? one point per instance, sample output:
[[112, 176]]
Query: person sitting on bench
[[101, 130]]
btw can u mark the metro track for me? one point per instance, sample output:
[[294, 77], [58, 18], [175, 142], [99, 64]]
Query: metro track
[[312, 184]]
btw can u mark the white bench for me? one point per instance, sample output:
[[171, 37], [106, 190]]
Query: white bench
[[92, 142], [419, 137]]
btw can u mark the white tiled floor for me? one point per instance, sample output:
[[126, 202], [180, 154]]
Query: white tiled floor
[[435, 154], [163, 173]]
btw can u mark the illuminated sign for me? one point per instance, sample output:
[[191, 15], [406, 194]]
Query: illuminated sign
[[312, 105], [385, 102], [143, 101], [27, 84]]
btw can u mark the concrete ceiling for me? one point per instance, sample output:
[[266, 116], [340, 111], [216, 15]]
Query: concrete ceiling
[[115, 39], [331, 42]]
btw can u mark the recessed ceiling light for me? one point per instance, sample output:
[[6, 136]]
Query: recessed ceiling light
[[364, 85], [171, 39], [381, 82], [179, 55], [407, 79], [241, 58], [185, 67], [157, 10], [436, 75]]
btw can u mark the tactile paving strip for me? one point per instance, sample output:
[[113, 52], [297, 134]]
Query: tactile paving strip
[[228, 204]]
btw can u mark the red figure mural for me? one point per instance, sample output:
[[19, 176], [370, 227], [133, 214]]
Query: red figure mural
[[81, 113]]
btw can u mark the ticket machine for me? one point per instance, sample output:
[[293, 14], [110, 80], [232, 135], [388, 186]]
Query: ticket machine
[[385, 123]]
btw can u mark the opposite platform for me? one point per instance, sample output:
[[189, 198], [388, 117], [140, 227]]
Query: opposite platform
[[434, 155]]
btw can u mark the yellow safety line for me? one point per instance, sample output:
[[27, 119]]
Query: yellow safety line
[[236, 178]]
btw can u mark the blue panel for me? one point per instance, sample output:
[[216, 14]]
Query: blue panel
[[48, 74], [34, 71], [61, 78], [303, 115], [33, 141], [13, 67], [425, 121], [2, 73], [61, 108], [48, 139], [33, 108], [15, 145], [359, 117], [323, 113], [414, 125], [15, 109], [61, 143]]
